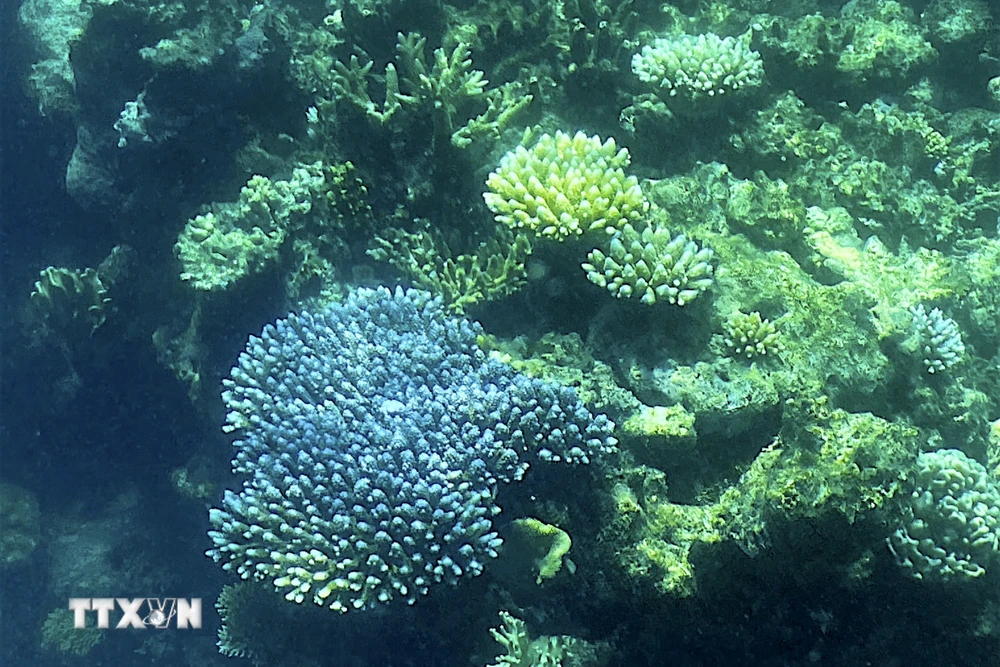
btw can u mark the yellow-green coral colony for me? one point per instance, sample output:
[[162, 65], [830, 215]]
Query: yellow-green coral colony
[[651, 266], [750, 336], [564, 187]]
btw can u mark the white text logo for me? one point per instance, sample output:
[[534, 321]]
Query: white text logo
[[139, 612]]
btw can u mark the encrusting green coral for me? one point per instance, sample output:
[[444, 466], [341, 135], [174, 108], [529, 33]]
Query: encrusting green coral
[[565, 187], [651, 266], [869, 39], [886, 40], [241, 238], [546, 545], [671, 422], [651, 537]]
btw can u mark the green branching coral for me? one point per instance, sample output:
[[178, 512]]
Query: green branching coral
[[241, 238], [565, 187], [651, 266], [350, 82], [495, 268], [446, 86], [520, 650], [690, 69], [751, 336], [68, 302], [951, 526], [447, 83]]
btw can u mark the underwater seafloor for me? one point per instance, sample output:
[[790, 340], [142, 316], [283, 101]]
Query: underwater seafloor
[[501, 333]]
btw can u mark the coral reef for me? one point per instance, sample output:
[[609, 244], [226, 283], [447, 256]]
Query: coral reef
[[815, 183]]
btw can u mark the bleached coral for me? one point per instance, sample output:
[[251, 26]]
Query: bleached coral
[[940, 343], [695, 67]]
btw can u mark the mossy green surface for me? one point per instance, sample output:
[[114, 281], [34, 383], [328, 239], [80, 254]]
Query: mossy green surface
[[20, 524], [60, 636], [825, 466]]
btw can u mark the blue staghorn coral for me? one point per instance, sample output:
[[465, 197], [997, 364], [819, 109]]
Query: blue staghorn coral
[[372, 435]]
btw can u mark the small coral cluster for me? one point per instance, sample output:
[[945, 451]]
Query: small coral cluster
[[940, 343], [520, 650], [650, 266], [373, 435], [749, 335], [952, 525], [70, 302], [565, 187], [694, 67]]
